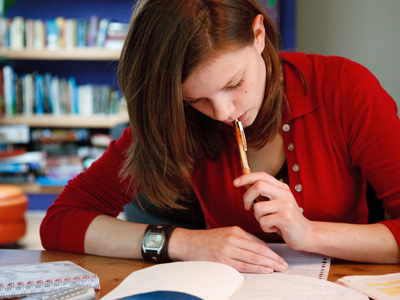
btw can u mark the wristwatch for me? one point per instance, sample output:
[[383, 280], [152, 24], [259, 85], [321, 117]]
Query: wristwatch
[[155, 243]]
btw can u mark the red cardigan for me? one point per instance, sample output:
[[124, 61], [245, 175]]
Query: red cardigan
[[343, 132]]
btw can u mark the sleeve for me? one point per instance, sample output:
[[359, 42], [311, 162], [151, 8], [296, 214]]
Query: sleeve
[[372, 127], [98, 190]]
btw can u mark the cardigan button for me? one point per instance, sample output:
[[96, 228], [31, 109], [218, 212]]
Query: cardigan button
[[298, 188], [290, 147], [286, 127], [295, 167]]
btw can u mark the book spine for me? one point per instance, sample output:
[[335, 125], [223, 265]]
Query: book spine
[[13, 168], [17, 33], [38, 34], [9, 100], [92, 30], [52, 34], [28, 92], [102, 32], [70, 33], [29, 33], [60, 22], [82, 25], [2, 112], [14, 134], [39, 94]]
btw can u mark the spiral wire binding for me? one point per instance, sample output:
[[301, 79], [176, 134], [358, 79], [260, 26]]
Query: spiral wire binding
[[30, 287]]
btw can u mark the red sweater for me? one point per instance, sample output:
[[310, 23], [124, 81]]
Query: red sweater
[[344, 132]]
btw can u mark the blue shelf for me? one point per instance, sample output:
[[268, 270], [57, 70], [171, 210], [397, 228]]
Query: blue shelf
[[288, 24], [40, 201], [117, 10]]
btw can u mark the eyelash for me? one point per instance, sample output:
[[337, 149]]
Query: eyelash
[[230, 88], [235, 86]]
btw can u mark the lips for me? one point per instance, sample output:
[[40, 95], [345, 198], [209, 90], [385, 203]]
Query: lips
[[242, 117], [231, 121]]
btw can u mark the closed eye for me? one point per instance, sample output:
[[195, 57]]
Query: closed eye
[[193, 101], [235, 86]]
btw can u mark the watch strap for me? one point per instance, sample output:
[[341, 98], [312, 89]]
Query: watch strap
[[162, 257]]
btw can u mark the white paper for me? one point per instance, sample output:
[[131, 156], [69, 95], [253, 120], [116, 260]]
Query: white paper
[[379, 287], [303, 263], [288, 287]]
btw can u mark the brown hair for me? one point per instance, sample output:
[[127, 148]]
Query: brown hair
[[167, 41]]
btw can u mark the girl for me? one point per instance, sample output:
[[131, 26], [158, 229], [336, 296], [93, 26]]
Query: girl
[[323, 125]]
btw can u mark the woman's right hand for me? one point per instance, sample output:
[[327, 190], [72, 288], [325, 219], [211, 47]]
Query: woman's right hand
[[229, 245]]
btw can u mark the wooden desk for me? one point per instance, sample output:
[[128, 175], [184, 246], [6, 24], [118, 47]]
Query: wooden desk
[[112, 271]]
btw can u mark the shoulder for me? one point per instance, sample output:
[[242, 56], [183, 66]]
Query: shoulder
[[319, 65]]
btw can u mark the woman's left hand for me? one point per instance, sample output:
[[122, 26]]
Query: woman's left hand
[[280, 214]]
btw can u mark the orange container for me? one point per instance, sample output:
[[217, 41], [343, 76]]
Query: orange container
[[13, 205]]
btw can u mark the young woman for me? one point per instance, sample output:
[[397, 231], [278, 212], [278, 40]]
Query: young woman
[[323, 125]]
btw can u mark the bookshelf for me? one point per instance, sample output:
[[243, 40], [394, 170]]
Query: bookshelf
[[89, 65]]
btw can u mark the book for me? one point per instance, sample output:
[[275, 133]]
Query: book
[[70, 33], [60, 21], [52, 34], [39, 34], [28, 97], [3, 30], [13, 168], [2, 104], [17, 33], [116, 35], [82, 28], [378, 287], [39, 100], [29, 33], [92, 30], [211, 280], [9, 91], [102, 32], [14, 134], [18, 280]]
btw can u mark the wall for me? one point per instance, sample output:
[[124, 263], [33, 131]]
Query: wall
[[366, 31]]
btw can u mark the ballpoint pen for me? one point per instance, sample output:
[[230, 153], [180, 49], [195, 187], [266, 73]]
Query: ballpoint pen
[[242, 145]]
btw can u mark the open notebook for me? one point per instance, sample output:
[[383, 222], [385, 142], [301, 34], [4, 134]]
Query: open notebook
[[209, 280]]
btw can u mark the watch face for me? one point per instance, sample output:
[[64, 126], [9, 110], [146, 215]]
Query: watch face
[[153, 240]]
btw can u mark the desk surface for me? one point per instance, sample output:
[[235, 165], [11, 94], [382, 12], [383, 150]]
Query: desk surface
[[112, 271]]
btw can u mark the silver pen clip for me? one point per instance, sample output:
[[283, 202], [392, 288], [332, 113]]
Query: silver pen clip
[[242, 135]]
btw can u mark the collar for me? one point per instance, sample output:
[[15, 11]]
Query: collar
[[300, 103]]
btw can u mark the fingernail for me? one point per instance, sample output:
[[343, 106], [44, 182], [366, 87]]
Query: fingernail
[[282, 268], [269, 270], [286, 264]]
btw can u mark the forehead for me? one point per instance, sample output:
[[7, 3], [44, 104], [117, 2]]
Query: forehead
[[216, 72]]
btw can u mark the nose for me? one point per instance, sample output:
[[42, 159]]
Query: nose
[[223, 108]]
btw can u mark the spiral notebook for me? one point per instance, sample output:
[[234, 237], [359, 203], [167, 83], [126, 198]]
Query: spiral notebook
[[19, 280]]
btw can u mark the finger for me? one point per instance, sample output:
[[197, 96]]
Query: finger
[[266, 190], [251, 178], [244, 267], [257, 265], [255, 251]]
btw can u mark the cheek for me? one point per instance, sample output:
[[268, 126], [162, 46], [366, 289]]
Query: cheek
[[203, 108]]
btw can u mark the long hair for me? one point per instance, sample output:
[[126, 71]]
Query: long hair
[[167, 41]]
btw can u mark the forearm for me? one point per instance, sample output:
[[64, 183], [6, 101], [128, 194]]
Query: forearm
[[108, 236], [372, 243]]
